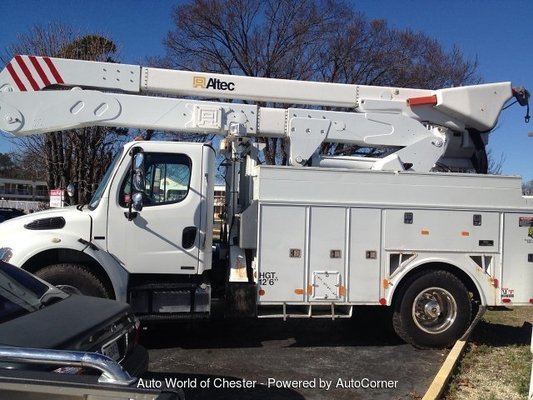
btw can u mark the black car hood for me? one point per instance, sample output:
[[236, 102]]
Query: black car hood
[[63, 325]]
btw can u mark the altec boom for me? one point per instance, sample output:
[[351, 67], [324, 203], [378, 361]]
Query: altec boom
[[312, 239]]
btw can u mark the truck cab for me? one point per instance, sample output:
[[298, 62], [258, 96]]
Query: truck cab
[[106, 239]]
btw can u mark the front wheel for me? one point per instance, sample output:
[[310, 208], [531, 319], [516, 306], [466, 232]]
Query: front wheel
[[74, 279], [433, 310]]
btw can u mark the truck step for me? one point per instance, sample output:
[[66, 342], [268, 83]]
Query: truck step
[[170, 300], [285, 311], [172, 317]]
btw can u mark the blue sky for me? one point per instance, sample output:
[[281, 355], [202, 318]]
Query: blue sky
[[499, 33]]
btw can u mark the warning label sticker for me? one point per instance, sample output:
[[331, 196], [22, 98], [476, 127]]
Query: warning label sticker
[[525, 221]]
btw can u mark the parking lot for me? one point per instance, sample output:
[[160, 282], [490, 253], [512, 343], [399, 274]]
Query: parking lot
[[356, 358]]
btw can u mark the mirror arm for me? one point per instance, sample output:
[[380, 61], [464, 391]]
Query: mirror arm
[[131, 215]]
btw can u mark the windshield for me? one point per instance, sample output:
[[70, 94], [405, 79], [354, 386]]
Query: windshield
[[103, 184], [20, 293]]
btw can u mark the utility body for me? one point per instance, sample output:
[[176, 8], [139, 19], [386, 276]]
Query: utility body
[[311, 239]]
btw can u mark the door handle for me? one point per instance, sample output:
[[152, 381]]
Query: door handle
[[188, 237]]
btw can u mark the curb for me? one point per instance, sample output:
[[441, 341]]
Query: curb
[[441, 379], [531, 379], [439, 382]]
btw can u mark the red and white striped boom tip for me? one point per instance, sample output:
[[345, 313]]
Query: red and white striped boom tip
[[33, 73]]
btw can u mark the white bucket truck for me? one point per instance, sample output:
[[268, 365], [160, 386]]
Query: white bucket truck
[[311, 239]]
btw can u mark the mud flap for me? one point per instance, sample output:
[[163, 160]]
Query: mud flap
[[481, 311], [241, 300]]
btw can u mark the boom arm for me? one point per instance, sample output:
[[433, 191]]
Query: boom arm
[[424, 126]]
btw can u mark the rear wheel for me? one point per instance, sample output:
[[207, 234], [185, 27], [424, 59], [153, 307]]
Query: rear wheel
[[74, 278], [433, 310]]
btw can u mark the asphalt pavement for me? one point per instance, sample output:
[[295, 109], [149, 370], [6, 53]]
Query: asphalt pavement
[[358, 358]]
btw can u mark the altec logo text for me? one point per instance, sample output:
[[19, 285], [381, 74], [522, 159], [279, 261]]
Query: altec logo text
[[212, 83]]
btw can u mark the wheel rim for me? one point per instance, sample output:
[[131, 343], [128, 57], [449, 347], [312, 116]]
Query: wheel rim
[[434, 310]]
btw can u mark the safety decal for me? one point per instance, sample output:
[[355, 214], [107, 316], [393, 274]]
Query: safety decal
[[33, 72], [507, 293], [529, 238], [525, 221]]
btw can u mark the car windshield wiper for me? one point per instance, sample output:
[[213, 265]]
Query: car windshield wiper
[[52, 296]]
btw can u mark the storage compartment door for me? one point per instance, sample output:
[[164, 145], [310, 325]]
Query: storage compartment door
[[365, 255], [281, 254], [441, 230], [517, 274], [327, 254]]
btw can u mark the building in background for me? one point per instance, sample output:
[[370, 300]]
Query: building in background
[[23, 194], [220, 196]]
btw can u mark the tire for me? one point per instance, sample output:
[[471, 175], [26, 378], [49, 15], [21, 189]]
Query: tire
[[434, 310], [74, 279]]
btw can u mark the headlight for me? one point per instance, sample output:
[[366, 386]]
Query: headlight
[[6, 253]]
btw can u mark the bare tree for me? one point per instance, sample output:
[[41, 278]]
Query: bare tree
[[370, 53], [80, 156], [527, 188], [267, 38], [8, 166], [19, 166], [495, 165], [324, 40]]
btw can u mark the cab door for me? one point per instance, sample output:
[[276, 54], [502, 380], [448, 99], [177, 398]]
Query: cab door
[[165, 237]]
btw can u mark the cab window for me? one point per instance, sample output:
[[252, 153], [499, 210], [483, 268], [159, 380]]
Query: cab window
[[168, 178]]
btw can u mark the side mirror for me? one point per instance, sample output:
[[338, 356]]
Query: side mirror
[[138, 160], [71, 189], [137, 183], [137, 201]]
